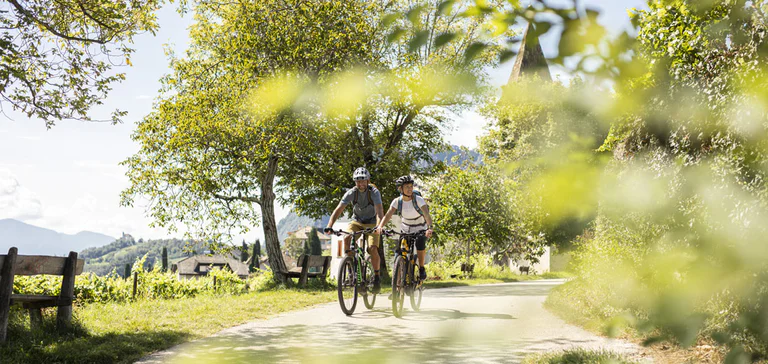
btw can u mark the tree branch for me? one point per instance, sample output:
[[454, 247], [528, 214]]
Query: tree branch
[[27, 14], [238, 198]]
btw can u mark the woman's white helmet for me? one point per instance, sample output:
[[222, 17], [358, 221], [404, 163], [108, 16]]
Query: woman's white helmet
[[360, 174]]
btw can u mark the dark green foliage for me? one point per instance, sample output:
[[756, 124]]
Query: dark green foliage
[[165, 259], [244, 252], [307, 249], [127, 271], [255, 256], [315, 247]]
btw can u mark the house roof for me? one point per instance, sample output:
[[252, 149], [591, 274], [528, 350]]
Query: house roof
[[303, 234], [264, 261], [530, 58], [192, 264]]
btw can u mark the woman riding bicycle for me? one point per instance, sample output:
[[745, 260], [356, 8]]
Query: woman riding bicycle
[[414, 216]]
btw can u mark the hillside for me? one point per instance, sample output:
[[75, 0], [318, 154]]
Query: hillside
[[293, 222], [102, 260], [34, 240], [458, 155]]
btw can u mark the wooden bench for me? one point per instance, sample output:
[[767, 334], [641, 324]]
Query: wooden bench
[[13, 264], [303, 265]]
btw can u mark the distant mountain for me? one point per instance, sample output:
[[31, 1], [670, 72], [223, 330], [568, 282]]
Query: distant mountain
[[293, 222], [34, 240], [458, 155]]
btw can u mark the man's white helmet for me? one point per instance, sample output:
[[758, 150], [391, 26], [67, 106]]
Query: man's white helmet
[[360, 174]]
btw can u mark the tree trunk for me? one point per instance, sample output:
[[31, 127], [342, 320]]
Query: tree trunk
[[271, 240]]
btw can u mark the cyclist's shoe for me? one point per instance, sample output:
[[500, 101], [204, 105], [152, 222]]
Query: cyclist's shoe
[[376, 284], [422, 273]]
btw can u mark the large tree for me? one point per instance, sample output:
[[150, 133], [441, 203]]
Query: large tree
[[422, 75], [57, 56], [430, 63], [212, 148]]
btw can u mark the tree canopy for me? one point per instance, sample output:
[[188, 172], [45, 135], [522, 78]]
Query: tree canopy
[[58, 56]]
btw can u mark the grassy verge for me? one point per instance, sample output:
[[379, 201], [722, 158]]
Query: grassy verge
[[578, 356], [507, 278], [584, 305], [124, 332]]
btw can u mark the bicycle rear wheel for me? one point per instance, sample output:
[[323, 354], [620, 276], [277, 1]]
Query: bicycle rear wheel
[[347, 286], [398, 287], [417, 289], [369, 297]]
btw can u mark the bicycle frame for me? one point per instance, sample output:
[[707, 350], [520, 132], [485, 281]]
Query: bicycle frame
[[359, 251], [407, 249]]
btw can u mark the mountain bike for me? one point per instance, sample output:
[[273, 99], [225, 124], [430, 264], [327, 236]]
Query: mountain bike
[[405, 276], [356, 274]]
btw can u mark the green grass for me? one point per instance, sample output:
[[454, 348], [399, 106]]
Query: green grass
[[124, 332], [483, 279], [578, 356]]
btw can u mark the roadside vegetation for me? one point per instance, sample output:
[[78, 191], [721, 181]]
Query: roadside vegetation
[[578, 356], [650, 165]]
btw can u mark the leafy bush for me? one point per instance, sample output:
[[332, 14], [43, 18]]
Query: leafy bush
[[151, 284]]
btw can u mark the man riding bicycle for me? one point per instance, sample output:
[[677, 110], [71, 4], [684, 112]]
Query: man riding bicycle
[[367, 210], [414, 216]]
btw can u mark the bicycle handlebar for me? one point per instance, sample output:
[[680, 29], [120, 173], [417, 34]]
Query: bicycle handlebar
[[402, 234], [342, 232]]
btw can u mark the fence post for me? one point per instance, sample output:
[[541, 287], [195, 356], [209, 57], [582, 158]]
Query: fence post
[[64, 313], [135, 283], [214, 283], [6, 290]]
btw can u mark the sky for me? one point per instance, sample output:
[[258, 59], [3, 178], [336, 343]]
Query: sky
[[68, 178]]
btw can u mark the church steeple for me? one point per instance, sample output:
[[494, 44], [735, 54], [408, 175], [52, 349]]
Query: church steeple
[[530, 58]]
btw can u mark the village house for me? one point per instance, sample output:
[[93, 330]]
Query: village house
[[199, 265], [302, 235]]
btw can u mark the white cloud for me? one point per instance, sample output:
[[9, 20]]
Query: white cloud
[[143, 97], [27, 137], [16, 201]]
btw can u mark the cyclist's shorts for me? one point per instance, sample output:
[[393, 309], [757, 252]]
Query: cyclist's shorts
[[373, 239]]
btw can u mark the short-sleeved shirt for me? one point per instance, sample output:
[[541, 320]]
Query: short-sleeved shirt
[[363, 211], [411, 220]]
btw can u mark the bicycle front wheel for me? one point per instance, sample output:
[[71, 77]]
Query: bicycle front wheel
[[398, 287], [347, 286], [417, 289], [369, 297]]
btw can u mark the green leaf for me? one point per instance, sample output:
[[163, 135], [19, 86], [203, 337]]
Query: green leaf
[[414, 15], [418, 40], [395, 35], [474, 50], [444, 39], [390, 18], [506, 55], [445, 7]]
